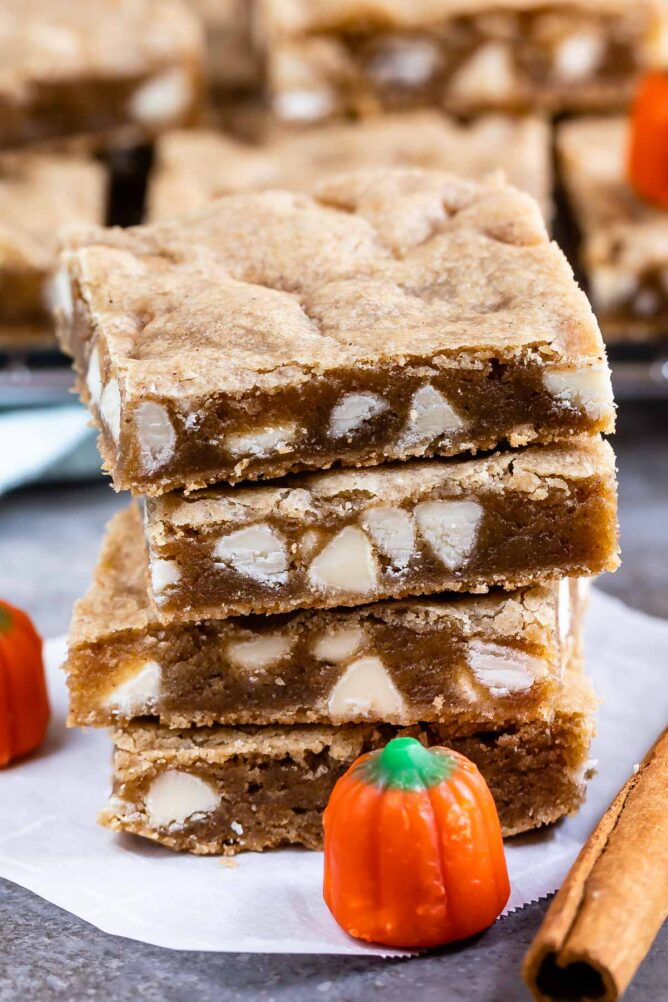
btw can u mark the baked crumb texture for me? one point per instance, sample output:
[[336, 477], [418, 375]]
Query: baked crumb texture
[[341, 57], [471, 662], [392, 315], [624, 239], [347, 537], [194, 166], [213, 790], [121, 69]]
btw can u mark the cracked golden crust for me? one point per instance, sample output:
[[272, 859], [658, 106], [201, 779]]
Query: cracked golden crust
[[294, 17], [56, 41], [117, 602], [531, 472], [270, 289], [192, 167]]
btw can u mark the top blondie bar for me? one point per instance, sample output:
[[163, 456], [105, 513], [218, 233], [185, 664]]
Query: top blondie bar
[[394, 314], [94, 68], [329, 58]]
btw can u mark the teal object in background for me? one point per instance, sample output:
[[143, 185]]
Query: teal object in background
[[46, 444]]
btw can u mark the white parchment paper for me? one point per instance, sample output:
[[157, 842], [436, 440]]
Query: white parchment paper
[[272, 903]]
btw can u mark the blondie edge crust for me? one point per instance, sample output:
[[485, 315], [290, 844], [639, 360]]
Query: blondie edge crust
[[469, 56], [224, 790], [472, 663], [194, 166], [346, 537], [396, 314], [624, 249], [108, 68]]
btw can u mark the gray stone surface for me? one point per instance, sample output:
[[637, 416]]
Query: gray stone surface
[[48, 544]]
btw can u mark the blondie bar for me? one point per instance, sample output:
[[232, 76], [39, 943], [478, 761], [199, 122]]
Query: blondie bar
[[40, 192], [89, 68], [397, 313], [353, 536], [194, 166], [624, 239], [225, 790], [472, 663], [347, 57]]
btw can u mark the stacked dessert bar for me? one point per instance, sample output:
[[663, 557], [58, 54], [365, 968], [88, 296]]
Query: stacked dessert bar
[[366, 428]]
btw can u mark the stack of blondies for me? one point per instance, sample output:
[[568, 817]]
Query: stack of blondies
[[364, 426]]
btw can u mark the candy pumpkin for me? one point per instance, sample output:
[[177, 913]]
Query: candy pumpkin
[[647, 167], [24, 707], [413, 849]]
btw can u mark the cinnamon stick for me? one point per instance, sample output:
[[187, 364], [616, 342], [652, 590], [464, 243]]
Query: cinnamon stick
[[612, 904]]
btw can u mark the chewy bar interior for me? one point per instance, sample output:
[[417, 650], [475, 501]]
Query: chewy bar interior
[[349, 536], [475, 662], [624, 249], [213, 790], [195, 166], [39, 193], [396, 314], [348, 57], [94, 68]]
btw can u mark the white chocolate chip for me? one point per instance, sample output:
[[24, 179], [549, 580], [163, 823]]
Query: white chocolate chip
[[503, 670], [487, 75], [609, 286], [110, 409], [353, 411], [564, 611], [309, 543], [262, 441], [155, 435], [175, 797], [94, 377], [589, 389], [408, 63], [346, 564], [237, 827], [257, 552], [430, 416], [138, 694], [304, 105], [646, 303], [163, 98], [340, 645], [164, 574], [578, 56], [258, 653], [59, 295], [365, 690], [393, 532], [450, 528]]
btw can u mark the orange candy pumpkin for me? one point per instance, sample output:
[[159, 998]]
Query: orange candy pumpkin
[[413, 849], [24, 706], [647, 167]]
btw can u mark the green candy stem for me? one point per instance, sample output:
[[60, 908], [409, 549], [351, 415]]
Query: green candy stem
[[5, 619], [405, 764]]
